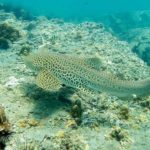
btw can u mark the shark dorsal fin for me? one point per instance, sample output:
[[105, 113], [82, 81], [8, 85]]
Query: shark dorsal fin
[[43, 49], [93, 62]]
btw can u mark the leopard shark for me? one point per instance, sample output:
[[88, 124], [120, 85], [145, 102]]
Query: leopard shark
[[55, 70]]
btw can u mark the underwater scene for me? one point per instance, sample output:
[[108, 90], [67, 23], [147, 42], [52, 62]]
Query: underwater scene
[[74, 75]]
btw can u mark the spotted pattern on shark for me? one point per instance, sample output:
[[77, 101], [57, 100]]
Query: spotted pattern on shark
[[81, 73]]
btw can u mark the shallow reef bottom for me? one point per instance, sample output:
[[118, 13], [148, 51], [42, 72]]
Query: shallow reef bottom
[[68, 119]]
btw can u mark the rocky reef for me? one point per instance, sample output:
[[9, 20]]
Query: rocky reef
[[69, 118], [133, 27], [7, 34], [139, 41]]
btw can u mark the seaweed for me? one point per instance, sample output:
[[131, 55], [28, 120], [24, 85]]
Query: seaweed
[[4, 128]]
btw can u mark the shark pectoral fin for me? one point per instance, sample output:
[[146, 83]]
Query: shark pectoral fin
[[47, 81], [94, 63]]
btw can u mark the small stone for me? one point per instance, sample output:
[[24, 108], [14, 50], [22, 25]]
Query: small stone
[[71, 123], [33, 123], [60, 134]]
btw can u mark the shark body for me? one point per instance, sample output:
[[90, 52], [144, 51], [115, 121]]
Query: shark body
[[55, 70]]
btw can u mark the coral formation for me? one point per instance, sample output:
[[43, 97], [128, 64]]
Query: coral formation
[[27, 123], [68, 141], [25, 50], [134, 28], [27, 144], [139, 41], [76, 111], [121, 23], [124, 112], [120, 135], [145, 102], [19, 12], [142, 49], [4, 44], [7, 33], [4, 128]]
